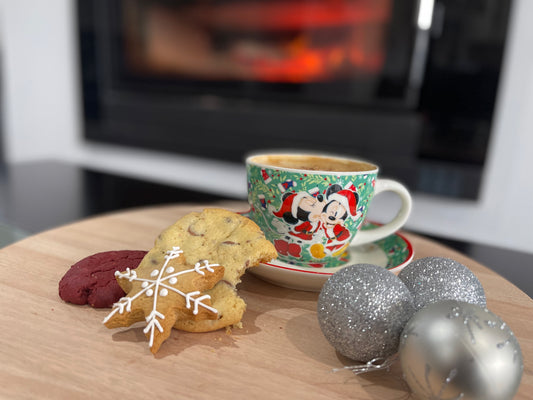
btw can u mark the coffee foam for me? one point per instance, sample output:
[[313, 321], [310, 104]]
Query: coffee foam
[[313, 163]]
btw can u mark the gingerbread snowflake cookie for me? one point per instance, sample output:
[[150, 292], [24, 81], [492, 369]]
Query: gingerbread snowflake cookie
[[161, 294]]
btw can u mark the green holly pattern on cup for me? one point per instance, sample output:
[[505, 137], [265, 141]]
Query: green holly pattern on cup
[[310, 218]]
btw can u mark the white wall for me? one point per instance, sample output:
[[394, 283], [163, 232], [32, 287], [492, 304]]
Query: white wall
[[41, 120]]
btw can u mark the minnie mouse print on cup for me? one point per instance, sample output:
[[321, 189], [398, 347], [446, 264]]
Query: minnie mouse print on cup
[[311, 207]]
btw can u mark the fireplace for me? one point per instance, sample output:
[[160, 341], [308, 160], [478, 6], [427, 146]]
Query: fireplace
[[409, 84]]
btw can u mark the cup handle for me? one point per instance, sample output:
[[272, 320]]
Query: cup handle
[[371, 235]]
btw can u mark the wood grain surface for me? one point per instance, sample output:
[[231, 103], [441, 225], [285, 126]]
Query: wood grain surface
[[51, 349]]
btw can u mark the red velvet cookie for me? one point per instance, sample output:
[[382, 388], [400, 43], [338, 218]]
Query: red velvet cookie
[[92, 279]]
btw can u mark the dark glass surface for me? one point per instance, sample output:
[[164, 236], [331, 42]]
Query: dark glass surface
[[515, 266], [40, 196]]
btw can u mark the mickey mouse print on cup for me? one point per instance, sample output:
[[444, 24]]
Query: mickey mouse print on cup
[[311, 207]]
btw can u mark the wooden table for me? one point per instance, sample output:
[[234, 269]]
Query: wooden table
[[51, 349]]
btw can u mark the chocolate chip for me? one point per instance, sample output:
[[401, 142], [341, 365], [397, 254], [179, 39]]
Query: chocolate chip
[[193, 233]]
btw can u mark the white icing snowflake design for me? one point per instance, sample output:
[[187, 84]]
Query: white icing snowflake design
[[163, 281]]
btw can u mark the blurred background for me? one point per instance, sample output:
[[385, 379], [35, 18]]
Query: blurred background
[[438, 92]]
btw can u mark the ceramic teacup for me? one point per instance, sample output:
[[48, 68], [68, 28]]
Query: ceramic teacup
[[311, 207]]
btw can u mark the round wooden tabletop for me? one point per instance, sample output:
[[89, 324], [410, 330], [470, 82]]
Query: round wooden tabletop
[[51, 349]]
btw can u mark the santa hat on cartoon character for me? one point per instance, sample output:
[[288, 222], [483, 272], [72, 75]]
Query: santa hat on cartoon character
[[348, 199], [290, 204]]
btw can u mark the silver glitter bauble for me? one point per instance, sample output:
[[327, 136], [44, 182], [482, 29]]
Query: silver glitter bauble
[[362, 310], [457, 350], [433, 279]]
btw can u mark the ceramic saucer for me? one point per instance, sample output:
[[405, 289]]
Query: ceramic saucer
[[393, 253]]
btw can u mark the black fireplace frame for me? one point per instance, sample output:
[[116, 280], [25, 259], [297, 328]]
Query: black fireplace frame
[[434, 144]]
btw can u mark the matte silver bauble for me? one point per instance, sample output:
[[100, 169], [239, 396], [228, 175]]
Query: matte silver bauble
[[457, 350], [433, 279], [362, 310]]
